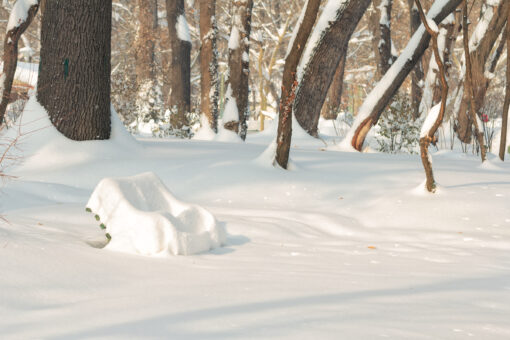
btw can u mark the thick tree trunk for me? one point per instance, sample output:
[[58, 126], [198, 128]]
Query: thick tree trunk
[[378, 99], [10, 58], [479, 55], [418, 73], [380, 22], [506, 106], [74, 77], [239, 64], [149, 99], [209, 63], [289, 82], [332, 104], [318, 73], [180, 64]]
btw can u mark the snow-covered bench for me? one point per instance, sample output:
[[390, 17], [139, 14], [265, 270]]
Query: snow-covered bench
[[141, 216]]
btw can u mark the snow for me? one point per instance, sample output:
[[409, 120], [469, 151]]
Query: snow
[[231, 113], [235, 38], [482, 26], [329, 14], [340, 245], [182, 29], [19, 13], [143, 217], [430, 120]]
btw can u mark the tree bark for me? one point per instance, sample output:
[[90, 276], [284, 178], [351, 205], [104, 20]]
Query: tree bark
[[326, 56], [180, 64], [378, 99], [10, 59], [506, 106], [479, 56], [149, 99], [239, 63], [332, 104], [209, 63], [380, 22], [289, 83], [418, 74], [74, 77], [429, 138]]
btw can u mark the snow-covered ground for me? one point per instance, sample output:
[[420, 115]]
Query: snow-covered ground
[[341, 247]]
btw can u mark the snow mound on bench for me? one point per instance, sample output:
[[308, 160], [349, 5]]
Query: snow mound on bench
[[143, 217]]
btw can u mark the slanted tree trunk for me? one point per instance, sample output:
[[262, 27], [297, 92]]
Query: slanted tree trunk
[[418, 73], [380, 96], [506, 106], [180, 64], [74, 77], [380, 22], [289, 82], [10, 57], [331, 106], [320, 68], [468, 83], [239, 67], [480, 48], [209, 63], [429, 136], [149, 99]]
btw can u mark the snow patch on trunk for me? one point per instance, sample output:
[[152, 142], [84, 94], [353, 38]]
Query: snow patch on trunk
[[143, 217], [182, 29], [19, 13]]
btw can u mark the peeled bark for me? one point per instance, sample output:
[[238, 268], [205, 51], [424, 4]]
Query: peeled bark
[[380, 22], [180, 64], [327, 54], [506, 106], [10, 58], [239, 64], [209, 63], [74, 77], [378, 99], [479, 56], [289, 83], [429, 138]]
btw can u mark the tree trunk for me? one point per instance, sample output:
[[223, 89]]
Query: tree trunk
[[239, 64], [332, 104], [378, 99], [380, 22], [468, 82], [74, 77], [180, 64], [149, 99], [209, 63], [289, 83], [319, 71], [506, 106], [418, 73], [429, 137], [479, 55], [10, 58]]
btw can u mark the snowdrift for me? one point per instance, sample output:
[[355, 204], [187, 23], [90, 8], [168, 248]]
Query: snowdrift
[[143, 217]]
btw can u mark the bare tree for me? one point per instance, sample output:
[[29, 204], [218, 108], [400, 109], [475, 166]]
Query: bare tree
[[325, 55], [418, 73], [209, 62], [380, 22], [239, 68], [506, 106], [16, 27], [74, 77], [180, 65], [428, 136], [289, 82]]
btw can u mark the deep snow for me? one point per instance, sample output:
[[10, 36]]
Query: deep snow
[[341, 247]]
